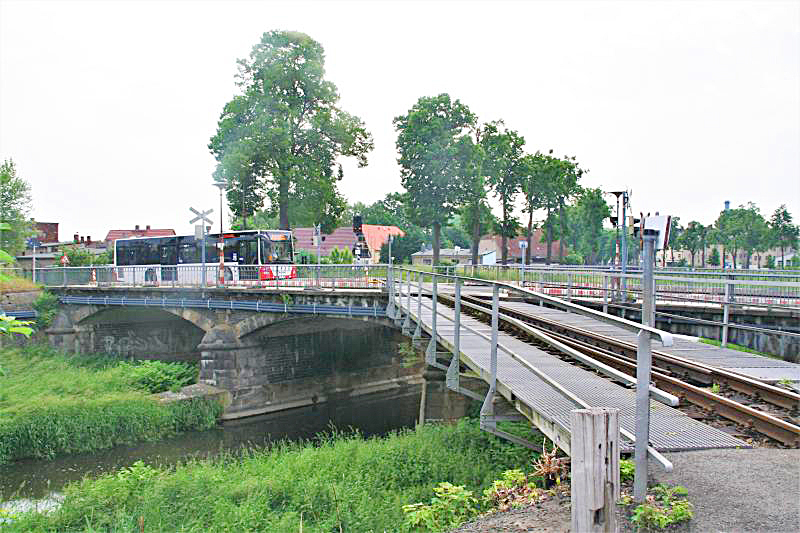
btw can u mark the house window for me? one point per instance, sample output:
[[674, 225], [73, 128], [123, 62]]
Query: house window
[[426, 261]]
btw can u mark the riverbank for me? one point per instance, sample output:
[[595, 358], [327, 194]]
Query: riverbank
[[53, 403], [342, 480]]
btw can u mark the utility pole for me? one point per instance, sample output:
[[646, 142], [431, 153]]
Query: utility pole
[[624, 281]]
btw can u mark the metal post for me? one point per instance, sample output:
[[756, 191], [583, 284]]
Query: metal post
[[453, 369], [418, 329], [34, 263], [624, 262], [487, 410], [643, 367], [407, 321], [726, 310], [605, 293], [430, 353], [569, 287], [390, 292]]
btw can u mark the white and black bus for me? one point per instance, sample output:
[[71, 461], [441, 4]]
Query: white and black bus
[[252, 255]]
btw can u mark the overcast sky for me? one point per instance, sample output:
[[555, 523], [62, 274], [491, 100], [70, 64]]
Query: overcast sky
[[107, 107]]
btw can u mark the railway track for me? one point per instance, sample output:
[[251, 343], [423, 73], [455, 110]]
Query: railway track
[[752, 406]]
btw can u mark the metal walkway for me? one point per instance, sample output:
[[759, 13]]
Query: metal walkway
[[754, 366], [547, 407]]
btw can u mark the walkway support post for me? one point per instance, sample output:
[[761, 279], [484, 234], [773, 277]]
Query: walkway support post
[[390, 291], [452, 379], [643, 366], [594, 446], [418, 329], [430, 353], [407, 321], [726, 314], [487, 409]]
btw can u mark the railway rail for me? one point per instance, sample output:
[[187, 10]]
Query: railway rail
[[776, 424]]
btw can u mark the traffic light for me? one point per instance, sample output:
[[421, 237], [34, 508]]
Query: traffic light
[[357, 224], [614, 221], [635, 225]]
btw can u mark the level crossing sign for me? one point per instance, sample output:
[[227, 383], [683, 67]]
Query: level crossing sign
[[201, 215], [64, 260]]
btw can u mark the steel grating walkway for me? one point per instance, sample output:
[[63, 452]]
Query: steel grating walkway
[[670, 429], [754, 366]]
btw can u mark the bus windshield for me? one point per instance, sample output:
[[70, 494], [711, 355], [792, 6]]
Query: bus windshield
[[275, 251]]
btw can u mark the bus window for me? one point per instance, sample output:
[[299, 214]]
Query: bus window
[[189, 251], [248, 250], [275, 251], [168, 253]]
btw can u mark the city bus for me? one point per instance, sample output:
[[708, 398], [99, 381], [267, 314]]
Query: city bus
[[248, 256]]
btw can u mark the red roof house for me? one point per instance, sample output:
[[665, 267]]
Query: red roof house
[[344, 238], [115, 234]]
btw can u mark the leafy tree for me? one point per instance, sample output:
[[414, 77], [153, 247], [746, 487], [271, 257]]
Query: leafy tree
[[713, 258], [15, 206], [477, 219], [742, 229], [535, 185], [504, 167], [693, 238], [79, 256], [557, 183], [403, 247], [675, 233], [283, 135], [391, 211], [428, 142], [784, 233], [589, 212], [475, 214]]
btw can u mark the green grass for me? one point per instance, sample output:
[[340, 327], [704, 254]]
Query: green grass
[[342, 481], [51, 403], [740, 348]]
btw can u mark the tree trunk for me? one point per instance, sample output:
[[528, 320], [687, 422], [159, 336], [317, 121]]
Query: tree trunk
[[503, 238], [783, 261], [476, 239], [703, 265], [530, 230], [563, 233], [549, 236], [283, 203], [437, 231], [692, 252]]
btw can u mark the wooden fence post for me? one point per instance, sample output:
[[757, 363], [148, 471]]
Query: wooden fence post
[[595, 469]]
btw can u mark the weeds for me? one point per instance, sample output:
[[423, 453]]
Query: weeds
[[627, 470], [267, 490], [514, 490], [451, 506], [664, 506]]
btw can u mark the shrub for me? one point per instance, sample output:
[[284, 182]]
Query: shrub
[[451, 506], [664, 507], [46, 306], [158, 376], [627, 470]]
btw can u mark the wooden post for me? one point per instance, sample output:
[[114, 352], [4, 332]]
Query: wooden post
[[595, 469]]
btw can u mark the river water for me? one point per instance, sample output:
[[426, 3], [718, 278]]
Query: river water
[[30, 483]]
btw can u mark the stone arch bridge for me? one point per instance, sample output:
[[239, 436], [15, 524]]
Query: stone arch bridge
[[271, 349]]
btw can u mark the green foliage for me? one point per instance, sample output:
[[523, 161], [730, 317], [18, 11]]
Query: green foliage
[[627, 469], [513, 490], [268, 490], [10, 325], [451, 506], [504, 167], [713, 258], [783, 233], [46, 307], [430, 140], [281, 137], [664, 507], [80, 256], [158, 376], [403, 247], [744, 229], [52, 403], [15, 206], [340, 257]]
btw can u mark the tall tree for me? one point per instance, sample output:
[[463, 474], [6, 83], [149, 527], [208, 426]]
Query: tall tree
[[15, 207], [429, 139], [693, 238], [535, 185], [285, 132], [742, 229], [590, 211], [504, 168], [784, 233]]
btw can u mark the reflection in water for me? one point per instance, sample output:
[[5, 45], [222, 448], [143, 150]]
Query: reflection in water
[[373, 414]]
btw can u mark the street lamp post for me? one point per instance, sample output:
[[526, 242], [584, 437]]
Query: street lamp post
[[221, 280]]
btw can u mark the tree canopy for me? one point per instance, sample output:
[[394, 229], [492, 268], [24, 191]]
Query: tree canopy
[[283, 135], [429, 140], [15, 207]]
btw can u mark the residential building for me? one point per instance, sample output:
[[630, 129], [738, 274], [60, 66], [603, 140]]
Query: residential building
[[516, 254], [115, 234], [344, 239], [457, 256]]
